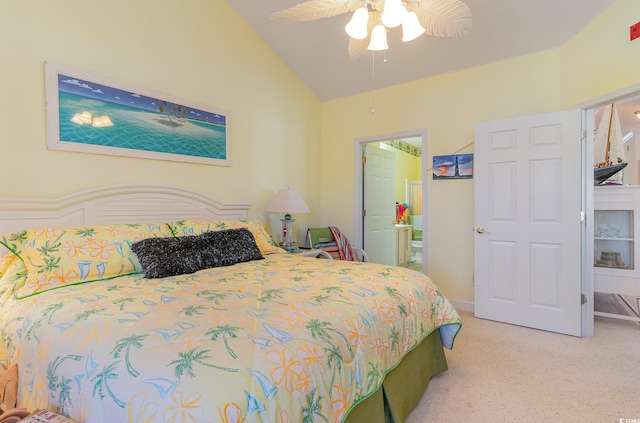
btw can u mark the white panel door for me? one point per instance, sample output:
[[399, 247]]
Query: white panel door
[[527, 200], [379, 204]]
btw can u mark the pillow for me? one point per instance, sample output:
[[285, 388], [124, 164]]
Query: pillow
[[13, 273], [56, 257], [258, 229], [234, 246], [6, 262], [163, 257], [14, 242]]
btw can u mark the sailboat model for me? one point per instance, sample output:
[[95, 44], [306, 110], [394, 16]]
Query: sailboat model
[[608, 147]]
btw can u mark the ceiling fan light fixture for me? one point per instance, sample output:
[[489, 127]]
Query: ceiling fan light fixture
[[378, 38], [393, 14], [411, 28], [637, 113], [441, 18], [358, 25]]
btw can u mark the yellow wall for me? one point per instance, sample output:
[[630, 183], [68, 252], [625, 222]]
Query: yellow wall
[[598, 60], [601, 59], [281, 135], [202, 52]]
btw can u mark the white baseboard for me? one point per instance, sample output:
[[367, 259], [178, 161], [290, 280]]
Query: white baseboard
[[462, 305]]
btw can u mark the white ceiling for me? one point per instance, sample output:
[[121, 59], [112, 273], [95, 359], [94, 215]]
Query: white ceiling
[[317, 51]]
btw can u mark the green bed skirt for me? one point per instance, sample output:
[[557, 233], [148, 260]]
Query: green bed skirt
[[404, 386]]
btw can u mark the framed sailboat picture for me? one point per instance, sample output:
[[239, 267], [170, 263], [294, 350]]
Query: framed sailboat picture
[[87, 113], [454, 166]]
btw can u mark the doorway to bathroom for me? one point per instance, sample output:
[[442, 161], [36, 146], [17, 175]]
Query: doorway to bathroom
[[398, 245]]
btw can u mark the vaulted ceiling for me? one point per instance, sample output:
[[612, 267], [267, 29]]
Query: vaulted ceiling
[[317, 51]]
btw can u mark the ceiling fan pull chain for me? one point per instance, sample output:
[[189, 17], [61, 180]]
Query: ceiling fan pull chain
[[373, 82]]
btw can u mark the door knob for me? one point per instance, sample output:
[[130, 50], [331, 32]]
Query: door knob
[[480, 230]]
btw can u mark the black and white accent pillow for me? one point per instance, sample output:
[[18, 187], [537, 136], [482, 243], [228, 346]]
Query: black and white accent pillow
[[234, 246], [163, 257]]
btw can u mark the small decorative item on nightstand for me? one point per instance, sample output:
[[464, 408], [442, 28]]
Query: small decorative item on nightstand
[[288, 201]]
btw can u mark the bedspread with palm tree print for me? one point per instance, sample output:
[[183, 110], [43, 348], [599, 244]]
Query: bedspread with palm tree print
[[284, 339]]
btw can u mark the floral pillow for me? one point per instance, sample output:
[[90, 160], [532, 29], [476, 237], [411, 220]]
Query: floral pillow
[[258, 229], [6, 262], [13, 273], [56, 257]]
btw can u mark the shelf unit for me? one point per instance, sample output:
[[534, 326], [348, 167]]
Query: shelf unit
[[616, 251]]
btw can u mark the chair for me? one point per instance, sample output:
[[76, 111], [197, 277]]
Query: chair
[[325, 239]]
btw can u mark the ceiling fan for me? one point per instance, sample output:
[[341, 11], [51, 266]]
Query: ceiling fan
[[372, 19]]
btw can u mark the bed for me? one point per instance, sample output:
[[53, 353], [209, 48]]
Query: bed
[[266, 337]]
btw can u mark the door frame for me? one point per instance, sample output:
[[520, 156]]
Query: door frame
[[359, 181], [589, 108]]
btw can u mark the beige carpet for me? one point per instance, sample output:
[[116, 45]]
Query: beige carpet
[[504, 373]]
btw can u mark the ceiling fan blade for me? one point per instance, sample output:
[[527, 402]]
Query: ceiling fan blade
[[444, 18], [358, 48], [312, 10]]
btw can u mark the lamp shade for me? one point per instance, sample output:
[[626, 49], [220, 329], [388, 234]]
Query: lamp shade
[[411, 28], [393, 13], [288, 201], [378, 38], [358, 25]]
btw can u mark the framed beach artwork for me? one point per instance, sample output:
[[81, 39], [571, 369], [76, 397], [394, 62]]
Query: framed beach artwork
[[90, 114], [454, 166]]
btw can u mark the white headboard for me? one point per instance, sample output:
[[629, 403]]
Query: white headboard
[[129, 203]]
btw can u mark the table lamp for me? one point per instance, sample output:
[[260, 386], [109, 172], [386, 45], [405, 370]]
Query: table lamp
[[288, 201]]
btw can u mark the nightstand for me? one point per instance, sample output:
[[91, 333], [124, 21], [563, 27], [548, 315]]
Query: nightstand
[[313, 252]]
